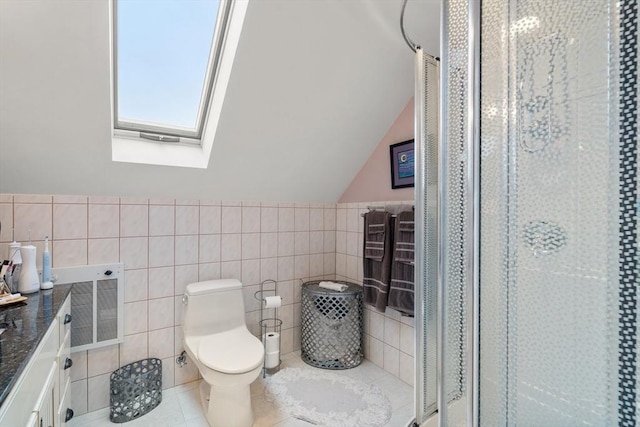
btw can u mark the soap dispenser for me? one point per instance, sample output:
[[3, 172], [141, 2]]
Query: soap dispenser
[[46, 266], [29, 281]]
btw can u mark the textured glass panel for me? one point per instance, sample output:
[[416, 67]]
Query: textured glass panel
[[107, 316], [456, 214], [553, 336], [82, 312], [427, 231]]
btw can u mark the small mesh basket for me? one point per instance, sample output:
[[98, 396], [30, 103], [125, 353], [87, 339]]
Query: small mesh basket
[[136, 389], [332, 326]]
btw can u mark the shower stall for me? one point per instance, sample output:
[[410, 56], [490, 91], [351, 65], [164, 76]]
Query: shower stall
[[527, 312]]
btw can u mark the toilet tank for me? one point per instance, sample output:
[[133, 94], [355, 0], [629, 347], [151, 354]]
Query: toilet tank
[[213, 306]]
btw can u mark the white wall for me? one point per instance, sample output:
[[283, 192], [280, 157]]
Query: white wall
[[315, 86]]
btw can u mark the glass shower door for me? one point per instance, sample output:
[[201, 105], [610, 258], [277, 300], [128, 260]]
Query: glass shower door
[[558, 222]]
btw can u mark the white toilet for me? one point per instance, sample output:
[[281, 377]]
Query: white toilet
[[227, 355]]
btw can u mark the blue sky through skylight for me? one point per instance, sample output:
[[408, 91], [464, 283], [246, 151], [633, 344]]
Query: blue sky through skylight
[[162, 53]]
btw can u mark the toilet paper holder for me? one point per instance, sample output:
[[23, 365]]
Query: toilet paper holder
[[270, 325]]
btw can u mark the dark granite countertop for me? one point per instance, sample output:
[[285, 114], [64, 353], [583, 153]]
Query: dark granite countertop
[[25, 324]]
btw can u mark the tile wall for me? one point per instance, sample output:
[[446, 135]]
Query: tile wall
[[166, 244], [389, 337]]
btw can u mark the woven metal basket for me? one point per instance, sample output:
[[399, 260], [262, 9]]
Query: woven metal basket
[[136, 389], [332, 326]]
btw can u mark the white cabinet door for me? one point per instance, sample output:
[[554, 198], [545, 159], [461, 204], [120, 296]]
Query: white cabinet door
[[45, 405]]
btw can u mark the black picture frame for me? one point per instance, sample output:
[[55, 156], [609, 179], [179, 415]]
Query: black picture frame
[[402, 164]]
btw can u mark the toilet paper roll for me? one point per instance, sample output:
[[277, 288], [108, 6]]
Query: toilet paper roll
[[272, 302], [271, 359], [272, 341]]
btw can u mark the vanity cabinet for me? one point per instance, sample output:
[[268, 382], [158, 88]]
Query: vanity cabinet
[[39, 395]]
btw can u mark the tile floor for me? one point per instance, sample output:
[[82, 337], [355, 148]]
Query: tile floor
[[180, 405]]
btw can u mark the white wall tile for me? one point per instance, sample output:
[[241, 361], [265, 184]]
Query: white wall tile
[[407, 339], [268, 245], [79, 397], [101, 360], [316, 219], [407, 369], [329, 263], [161, 343], [250, 245], [268, 269], [32, 198], [135, 285], [300, 267], [330, 219], [186, 250], [134, 220], [68, 253], [286, 341], [329, 241], [251, 219], [161, 281], [135, 317], [268, 220], [250, 272], [161, 220], [69, 221], [341, 219], [231, 219], [210, 219], [6, 219], [391, 360], [168, 372], [209, 248], [134, 252], [104, 200], [376, 321], [301, 221], [178, 310], [316, 242], [231, 247], [104, 221], [184, 275], [285, 268], [392, 332], [33, 220], [231, 270], [161, 312], [161, 251], [316, 265], [286, 219], [208, 271], [341, 242], [186, 373], [79, 370], [187, 220], [103, 251], [134, 348], [376, 352], [301, 243], [286, 243]]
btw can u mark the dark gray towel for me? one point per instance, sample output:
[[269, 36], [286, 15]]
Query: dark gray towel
[[378, 245], [401, 292], [376, 230]]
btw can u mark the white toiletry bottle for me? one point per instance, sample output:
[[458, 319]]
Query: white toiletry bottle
[[46, 266], [29, 281]]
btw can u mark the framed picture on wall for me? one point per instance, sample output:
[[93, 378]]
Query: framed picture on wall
[[402, 164]]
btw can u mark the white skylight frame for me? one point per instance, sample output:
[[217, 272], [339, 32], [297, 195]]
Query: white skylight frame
[[151, 144]]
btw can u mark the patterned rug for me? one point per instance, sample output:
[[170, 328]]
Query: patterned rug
[[325, 398]]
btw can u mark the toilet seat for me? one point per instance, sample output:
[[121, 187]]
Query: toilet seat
[[231, 352]]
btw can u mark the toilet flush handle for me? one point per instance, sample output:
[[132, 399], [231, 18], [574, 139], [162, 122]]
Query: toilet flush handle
[[185, 299]]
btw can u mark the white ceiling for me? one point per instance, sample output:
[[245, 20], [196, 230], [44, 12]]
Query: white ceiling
[[314, 88]]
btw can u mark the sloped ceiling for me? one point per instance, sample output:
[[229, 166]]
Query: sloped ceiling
[[314, 87]]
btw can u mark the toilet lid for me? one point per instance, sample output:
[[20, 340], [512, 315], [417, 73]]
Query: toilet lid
[[231, 352]]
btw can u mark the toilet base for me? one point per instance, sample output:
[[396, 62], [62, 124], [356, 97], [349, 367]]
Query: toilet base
[[227, 406]]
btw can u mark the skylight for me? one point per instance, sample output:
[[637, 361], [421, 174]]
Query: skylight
[[171, 64], [165, 58]]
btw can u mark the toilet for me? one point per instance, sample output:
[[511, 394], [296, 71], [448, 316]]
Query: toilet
[[227, 355]]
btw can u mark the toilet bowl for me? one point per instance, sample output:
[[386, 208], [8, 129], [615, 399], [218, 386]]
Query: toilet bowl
[[227, 355]]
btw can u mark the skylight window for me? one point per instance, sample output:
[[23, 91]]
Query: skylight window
[[166, 55]]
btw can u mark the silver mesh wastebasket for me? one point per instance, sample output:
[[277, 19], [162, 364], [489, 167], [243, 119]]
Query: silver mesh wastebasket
[[332, 326], [136, 389]]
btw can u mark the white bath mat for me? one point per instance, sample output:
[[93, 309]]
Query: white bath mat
[[325, 398]]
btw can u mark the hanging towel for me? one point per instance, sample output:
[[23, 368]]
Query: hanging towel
[[401, 292], [378, 245]]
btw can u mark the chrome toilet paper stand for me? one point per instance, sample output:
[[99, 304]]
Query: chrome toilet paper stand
[[268, 325]]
